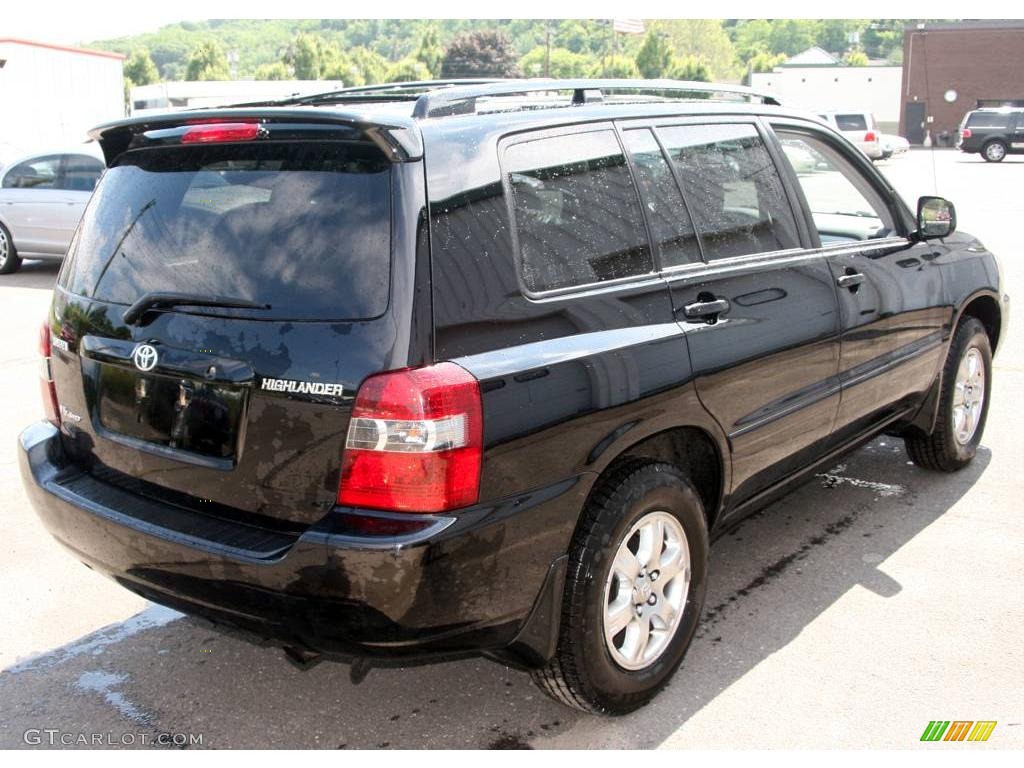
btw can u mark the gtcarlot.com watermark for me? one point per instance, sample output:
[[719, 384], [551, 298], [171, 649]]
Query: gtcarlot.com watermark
[[54, 737]]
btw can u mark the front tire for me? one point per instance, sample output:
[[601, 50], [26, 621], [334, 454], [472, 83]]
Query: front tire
[[994, 151], [9, 259], [634, 591], [963, 403]]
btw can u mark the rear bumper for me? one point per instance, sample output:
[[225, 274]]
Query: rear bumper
[[485, 580]]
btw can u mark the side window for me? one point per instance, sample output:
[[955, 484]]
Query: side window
[[38, 173], [851, 122], [732, 188], [671, 227], [80, 173], [577, 215], [844, 205], [998, 120]]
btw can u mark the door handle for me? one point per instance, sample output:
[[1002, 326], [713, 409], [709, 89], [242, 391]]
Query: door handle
[[706, 309], [850, 280]]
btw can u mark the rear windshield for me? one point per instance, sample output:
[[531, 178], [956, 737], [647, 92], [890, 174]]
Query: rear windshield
[[302, 227], [851, 122], [989, 120]]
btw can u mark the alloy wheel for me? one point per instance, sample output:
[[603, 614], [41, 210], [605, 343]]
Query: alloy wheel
[[646, 590]]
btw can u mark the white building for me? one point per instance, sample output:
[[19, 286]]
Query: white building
[[818, 82], [53, 94], [193, 94]]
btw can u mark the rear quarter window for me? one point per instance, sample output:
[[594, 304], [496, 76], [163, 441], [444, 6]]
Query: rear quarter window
[[576, 212]]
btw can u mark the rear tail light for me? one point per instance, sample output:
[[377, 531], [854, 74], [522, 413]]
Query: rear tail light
[[212, 133], [47, 390], [870, 136], [965, 133], [414, 442]]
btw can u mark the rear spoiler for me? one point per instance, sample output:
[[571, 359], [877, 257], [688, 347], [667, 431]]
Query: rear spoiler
[[397, 137]]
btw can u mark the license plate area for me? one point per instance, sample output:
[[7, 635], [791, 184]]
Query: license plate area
[[174, 413]]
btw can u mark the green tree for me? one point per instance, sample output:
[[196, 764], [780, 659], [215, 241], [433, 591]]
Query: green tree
[[834, 34], [856, 58], [751, 38], [790, 36], [406, 70], [562, 63], [689, 68], [707, 40], [430, 53], [304, 57], [140, 69], [274, 70], [370, 65], [336, 65], [765, 62], [615, 66], [487, 53], [208, 62], [655, 55]]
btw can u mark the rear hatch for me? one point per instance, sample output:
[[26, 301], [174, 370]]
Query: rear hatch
[[222, 300]]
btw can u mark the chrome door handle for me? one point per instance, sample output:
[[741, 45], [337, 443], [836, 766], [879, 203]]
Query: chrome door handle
[[701, 310], [850, 281]]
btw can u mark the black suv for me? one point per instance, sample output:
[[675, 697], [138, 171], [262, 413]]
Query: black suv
[[992, 132], [428, 370]]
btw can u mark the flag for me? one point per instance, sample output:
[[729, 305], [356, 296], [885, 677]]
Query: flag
[[628, 26]]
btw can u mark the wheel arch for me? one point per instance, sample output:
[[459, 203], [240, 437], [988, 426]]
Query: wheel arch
[[695, 451], [984, 306]]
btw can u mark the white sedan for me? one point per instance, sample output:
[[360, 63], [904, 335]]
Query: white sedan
[[42, 198], [893, 145]]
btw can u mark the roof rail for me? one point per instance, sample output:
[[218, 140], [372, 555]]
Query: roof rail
[[461, 99], [409, 85], [402, 91]]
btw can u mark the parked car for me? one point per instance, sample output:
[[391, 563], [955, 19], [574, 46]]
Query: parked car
[[426, 378], [893, 145], [993, 133], [859, 128], [802, 160], [41, 202]]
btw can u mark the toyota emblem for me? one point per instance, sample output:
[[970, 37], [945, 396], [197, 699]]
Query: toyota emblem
[[145, 357]]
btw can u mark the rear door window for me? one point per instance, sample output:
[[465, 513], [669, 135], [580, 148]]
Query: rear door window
[[671, 227], [303, 227], [577, 215], [80, 173], [732, 189]]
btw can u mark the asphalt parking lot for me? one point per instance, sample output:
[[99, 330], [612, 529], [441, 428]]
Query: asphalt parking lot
[[851, 613]]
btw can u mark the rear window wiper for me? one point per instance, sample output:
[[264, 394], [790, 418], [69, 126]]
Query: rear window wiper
[[155, 299]]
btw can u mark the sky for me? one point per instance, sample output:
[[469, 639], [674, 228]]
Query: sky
[[72, 23]]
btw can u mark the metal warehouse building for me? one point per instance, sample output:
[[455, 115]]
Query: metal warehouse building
[[52, 94], [952, 68]]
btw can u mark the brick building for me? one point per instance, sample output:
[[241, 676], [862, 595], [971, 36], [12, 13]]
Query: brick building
[[949, 68]]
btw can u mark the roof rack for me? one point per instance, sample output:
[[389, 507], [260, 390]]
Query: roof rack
[[461, 98]]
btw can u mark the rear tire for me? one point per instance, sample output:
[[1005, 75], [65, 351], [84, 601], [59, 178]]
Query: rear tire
[[963, 403], [9, 259], [614, 672], [994, 151]]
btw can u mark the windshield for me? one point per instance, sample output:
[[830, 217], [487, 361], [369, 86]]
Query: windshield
[[302, 227]]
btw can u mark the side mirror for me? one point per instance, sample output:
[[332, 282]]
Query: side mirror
[[936, 217]]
